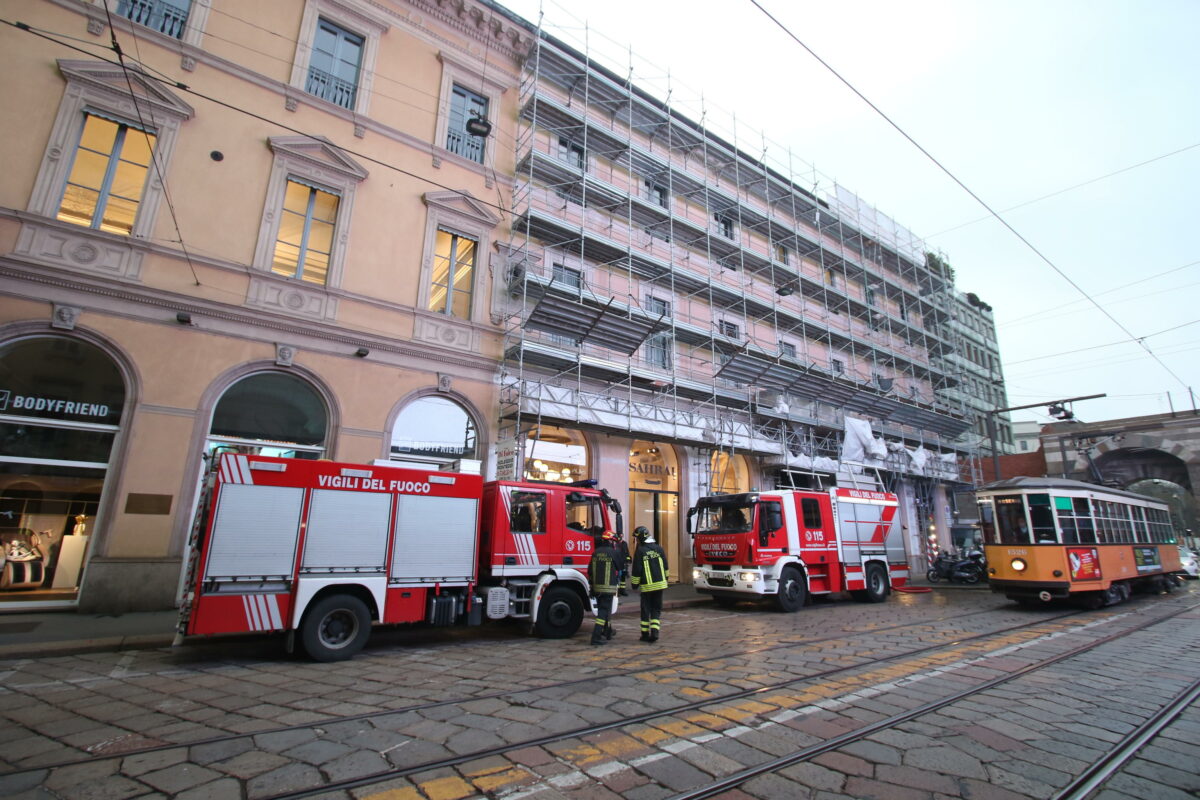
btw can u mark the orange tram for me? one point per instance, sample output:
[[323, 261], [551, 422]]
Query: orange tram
[[1051, 539]]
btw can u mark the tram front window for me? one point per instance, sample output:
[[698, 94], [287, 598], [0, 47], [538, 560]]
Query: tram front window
[[1010, 520]]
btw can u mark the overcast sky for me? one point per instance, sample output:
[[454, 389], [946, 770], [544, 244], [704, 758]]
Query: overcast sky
[[1019, 99]]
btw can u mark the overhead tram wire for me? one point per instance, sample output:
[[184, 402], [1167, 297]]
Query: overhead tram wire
[[154, 154], [968, 190], [183, 87], [1099, 346]]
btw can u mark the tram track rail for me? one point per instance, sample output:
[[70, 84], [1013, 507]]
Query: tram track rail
[[733, 781], [739, 778], [511, 692]]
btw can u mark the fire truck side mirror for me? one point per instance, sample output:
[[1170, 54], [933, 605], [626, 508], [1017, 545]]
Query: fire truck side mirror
[[691, 519]]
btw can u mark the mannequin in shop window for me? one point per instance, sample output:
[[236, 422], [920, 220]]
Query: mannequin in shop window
[[80, 528]]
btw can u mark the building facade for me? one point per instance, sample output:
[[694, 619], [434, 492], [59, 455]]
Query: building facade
[[422, 231]]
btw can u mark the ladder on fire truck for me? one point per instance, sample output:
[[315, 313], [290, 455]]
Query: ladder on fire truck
[[199, 523]]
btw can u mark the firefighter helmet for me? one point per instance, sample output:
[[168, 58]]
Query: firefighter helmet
[[641, 533]]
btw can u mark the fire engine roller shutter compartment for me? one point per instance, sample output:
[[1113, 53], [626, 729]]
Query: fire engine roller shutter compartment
[[254, 533], [435, 536], [347, 530]]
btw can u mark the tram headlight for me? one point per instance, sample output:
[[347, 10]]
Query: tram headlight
[[1019, 565]]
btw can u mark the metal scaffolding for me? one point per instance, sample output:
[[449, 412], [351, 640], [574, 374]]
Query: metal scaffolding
[[663, 281]]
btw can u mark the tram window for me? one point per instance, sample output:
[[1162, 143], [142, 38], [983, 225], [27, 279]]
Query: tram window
[[1010, 518], [1043, 518], [1124, 530], [987, 523], [1087, 530], [1140, 534], [1069, 534]]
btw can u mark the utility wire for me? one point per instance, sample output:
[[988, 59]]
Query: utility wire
[[154, 154], [1071, 188], [968, 190], [1099, 346]]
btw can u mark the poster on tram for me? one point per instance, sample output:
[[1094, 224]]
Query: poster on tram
[[1147, 559], [1085, 563]]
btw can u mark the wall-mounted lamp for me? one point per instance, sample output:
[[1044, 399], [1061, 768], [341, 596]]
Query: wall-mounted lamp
[[479, 126], [183, 318], [362, 352], [785, 290]]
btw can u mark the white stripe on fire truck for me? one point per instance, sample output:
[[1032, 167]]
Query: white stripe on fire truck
[[270, 611], [251, 611], [244, 467], [226, 475], [526, 549]]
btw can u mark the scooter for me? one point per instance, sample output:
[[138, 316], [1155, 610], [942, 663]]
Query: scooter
[[957, 570]]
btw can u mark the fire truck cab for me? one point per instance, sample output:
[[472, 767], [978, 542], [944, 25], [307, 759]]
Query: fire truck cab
[[790, 543], [323, 550]]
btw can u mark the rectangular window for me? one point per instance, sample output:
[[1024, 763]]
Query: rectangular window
[[108, 176], [837, 366], [465, 105], [781, 254], [788, 350], [831, 277], [305, 239], [729, 329], [453, 279], [869, 296], [658, 346], [333, 68], [568, 276], [655, 193], [811, 509], [570, 152], [528, 512], [724, 225], [159, 15]]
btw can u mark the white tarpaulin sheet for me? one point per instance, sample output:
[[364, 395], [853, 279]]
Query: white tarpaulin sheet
[[859, 445]]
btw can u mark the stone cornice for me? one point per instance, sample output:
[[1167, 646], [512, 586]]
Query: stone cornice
[[481, 23]]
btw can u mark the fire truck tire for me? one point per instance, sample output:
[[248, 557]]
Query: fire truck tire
[[877, 586], [335, 628], [560, 614], [792, 591]]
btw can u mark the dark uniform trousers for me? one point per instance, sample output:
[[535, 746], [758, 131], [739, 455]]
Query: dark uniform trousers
[[651, 612]]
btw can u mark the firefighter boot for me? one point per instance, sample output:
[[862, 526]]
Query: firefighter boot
[[645, 637], [654, 630], [598, 634]]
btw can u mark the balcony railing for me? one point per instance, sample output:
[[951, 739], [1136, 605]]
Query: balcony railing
[[327, 87], [159, 15], [464, 144]]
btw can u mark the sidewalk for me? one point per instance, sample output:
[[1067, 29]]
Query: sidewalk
[[45, 633]]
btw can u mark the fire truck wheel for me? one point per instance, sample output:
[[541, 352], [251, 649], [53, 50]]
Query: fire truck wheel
[[335, 628], [792, 591], [877, 586], [560, 614]]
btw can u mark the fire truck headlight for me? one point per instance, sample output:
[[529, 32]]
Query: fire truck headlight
[[1019, 565], [697, 574], [748, 577]]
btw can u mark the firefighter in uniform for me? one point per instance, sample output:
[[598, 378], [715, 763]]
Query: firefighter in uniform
[[650, 578], [603, 572]]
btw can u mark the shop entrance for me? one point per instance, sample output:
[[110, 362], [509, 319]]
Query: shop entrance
[[654, 498], [61, 401]]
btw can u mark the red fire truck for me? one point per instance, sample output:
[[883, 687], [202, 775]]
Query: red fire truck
[[791, 543], [324, 549]]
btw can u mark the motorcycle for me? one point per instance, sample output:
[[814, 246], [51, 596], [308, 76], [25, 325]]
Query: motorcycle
[[967, 570]]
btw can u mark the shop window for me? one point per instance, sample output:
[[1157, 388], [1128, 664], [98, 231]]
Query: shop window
[[271, 413], [433, 432], [61, 403], [555, 454]]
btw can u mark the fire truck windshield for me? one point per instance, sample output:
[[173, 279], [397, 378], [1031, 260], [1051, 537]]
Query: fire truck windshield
[[732, 518]]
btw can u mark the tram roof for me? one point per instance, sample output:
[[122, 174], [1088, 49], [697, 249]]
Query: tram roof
[[1024, 483]]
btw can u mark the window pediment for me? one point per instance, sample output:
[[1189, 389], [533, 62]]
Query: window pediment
[[462, 204], [113, 81], [319, 153]]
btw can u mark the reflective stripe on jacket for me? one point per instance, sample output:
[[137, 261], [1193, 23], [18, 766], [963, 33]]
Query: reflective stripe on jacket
[[650, 568], [603, 570]]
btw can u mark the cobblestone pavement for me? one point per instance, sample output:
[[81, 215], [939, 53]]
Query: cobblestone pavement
[[514, 714]]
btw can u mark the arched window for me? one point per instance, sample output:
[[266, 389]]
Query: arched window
[[433, 432], [555, 454], [729, 473], [61, 400], [270, 414]]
